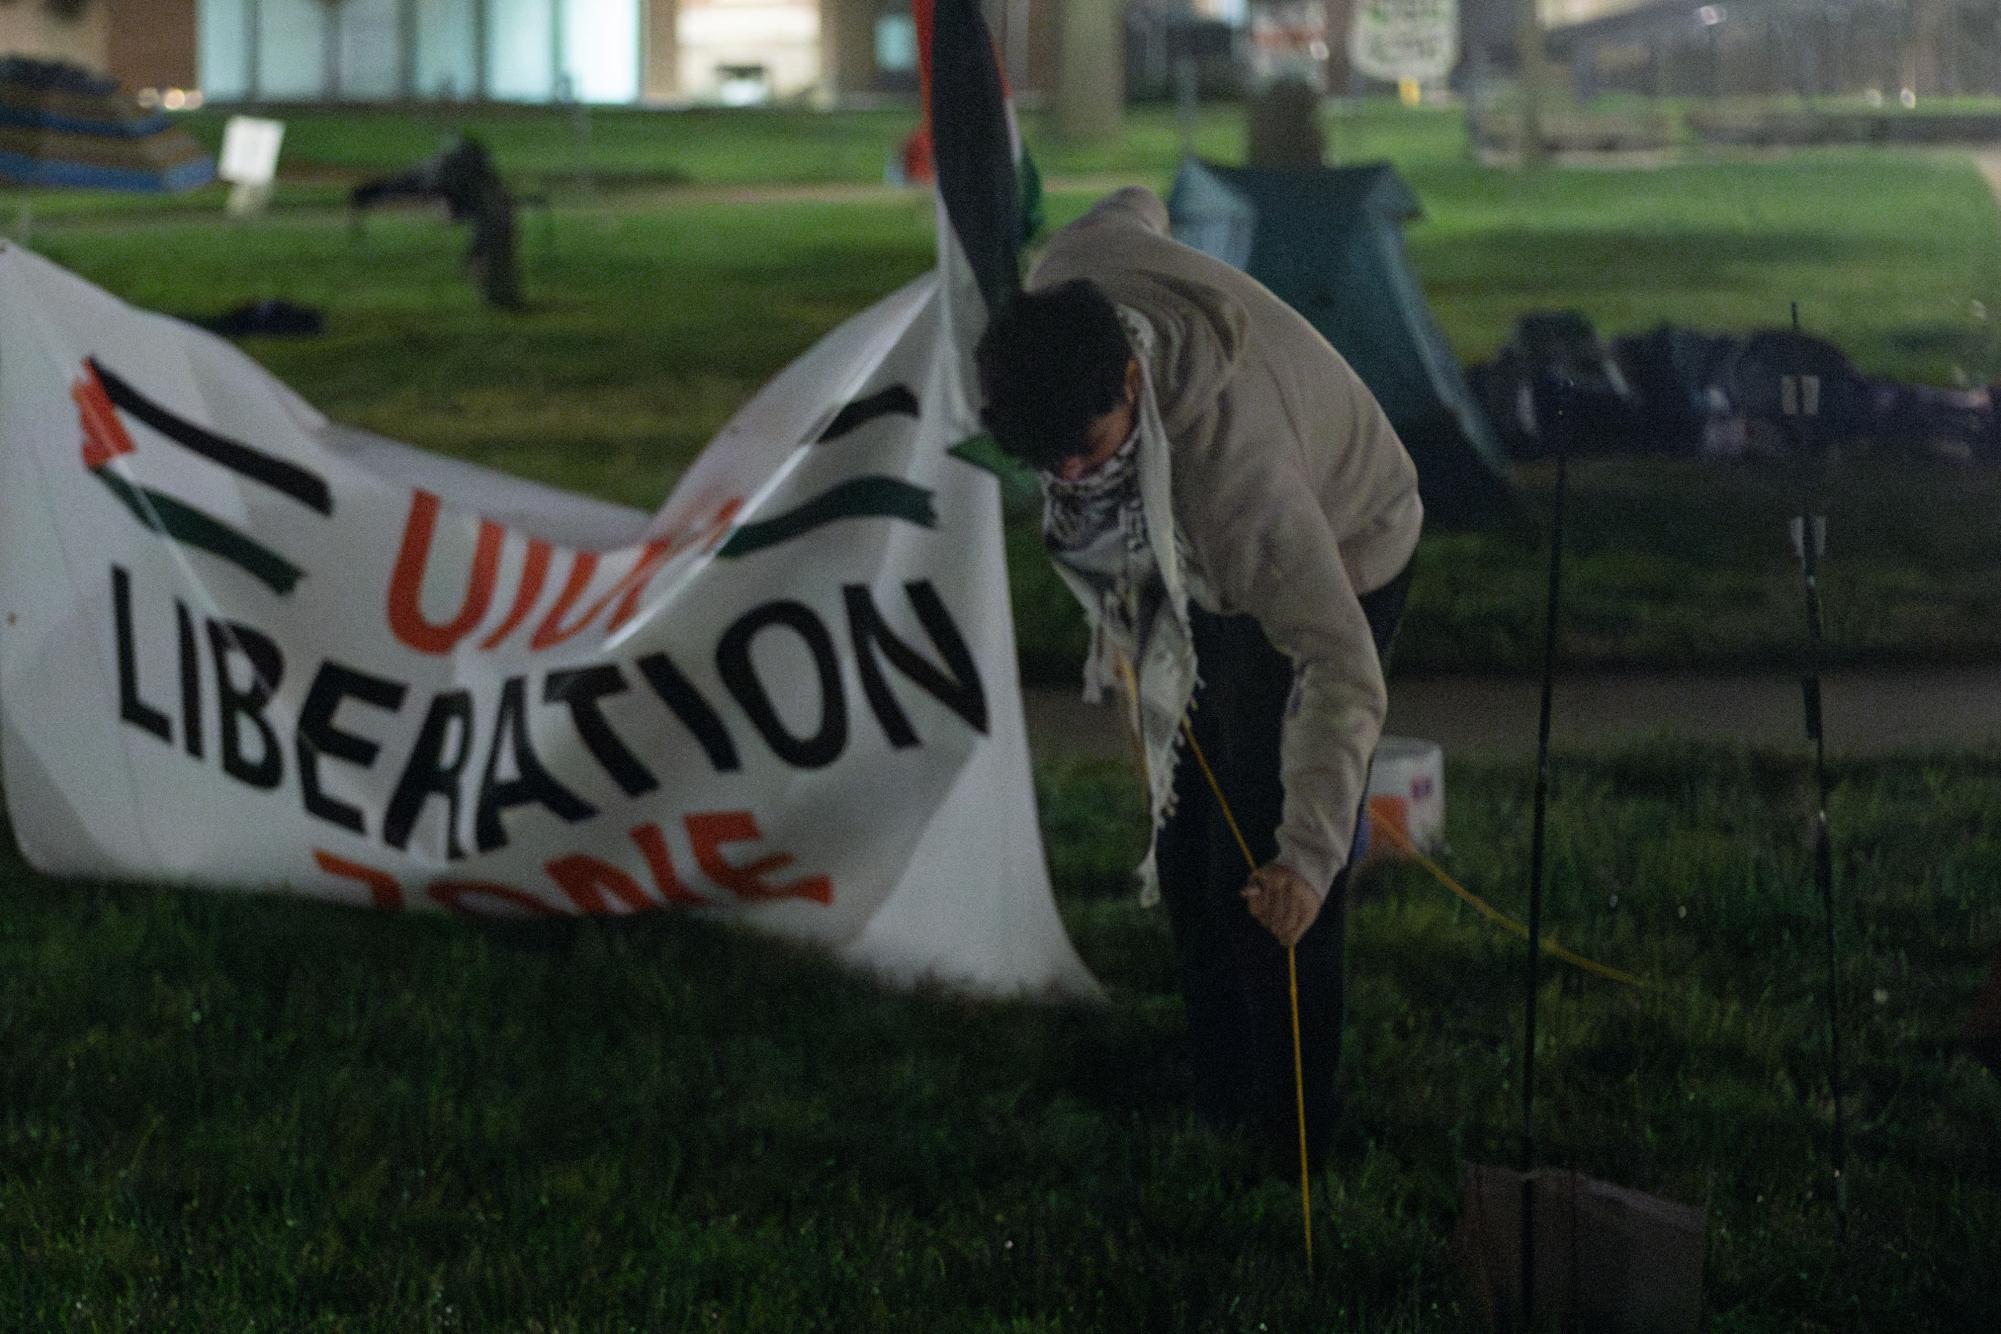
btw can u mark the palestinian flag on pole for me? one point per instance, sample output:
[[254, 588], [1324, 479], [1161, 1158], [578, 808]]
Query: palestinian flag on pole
[[989, 195]]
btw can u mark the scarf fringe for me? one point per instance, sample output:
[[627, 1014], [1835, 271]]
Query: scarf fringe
[[1166, 643]]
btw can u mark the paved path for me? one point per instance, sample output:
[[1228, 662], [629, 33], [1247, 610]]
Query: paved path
[[1868, 712], [18, 213], [1989, 163]]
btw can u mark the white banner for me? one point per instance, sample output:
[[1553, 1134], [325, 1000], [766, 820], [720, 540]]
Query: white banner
[[1395, 40], [241, 646]]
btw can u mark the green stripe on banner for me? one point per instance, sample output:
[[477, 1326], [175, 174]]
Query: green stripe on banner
[[190, 527], [985, 453], [872, 497]]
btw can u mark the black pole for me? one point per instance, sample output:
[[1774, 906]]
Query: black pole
[[1558, 432], [1799, 400]]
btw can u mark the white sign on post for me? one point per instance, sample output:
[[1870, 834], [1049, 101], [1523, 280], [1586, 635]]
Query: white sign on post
[[1395, 40], [250, 147]]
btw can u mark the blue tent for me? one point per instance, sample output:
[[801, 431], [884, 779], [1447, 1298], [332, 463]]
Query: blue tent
[[1329, 243], [64, 127]]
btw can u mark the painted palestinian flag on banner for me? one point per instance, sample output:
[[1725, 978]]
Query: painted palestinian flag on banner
[[242, 646]]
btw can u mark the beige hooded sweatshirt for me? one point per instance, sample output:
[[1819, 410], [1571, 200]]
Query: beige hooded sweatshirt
[[1289, 487]]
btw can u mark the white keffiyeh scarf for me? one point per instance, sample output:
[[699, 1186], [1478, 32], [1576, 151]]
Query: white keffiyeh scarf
[[1102, 532]]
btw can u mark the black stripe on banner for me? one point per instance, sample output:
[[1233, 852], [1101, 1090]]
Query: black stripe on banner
[[189, 526], [870, 497], [893, 401], [970, 147], [308, 488]]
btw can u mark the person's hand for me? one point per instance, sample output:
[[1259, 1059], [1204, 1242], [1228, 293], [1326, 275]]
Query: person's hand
[[1282, 901]]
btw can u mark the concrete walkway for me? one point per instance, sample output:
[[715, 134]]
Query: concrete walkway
[[1868, 712], [1989, 163], [18, 214]]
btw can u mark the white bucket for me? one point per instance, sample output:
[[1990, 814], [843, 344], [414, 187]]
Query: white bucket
[[1407, 794]]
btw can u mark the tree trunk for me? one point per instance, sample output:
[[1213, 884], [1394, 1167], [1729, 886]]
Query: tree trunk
[[1929, 49], [1340, 15], [1534, 73], [848, 49], [330, 49], [1284, 127], [663, 53], [1091, 73]]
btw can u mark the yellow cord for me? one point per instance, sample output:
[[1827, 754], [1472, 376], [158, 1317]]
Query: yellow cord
[[1499, 918], [1299, 1105], [1292, 990], [1229, 816]]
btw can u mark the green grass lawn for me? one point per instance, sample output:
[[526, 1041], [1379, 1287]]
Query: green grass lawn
[[1886, 253], [328, 149], [632, 147], [219, 1112], [1895, 258]]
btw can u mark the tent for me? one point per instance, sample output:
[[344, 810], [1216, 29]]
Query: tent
[[62, 126], [1329, 242]]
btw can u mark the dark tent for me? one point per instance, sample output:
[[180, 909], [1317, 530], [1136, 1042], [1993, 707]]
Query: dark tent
[[1329, 242]]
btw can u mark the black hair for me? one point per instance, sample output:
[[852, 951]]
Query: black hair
[[1050, 363]]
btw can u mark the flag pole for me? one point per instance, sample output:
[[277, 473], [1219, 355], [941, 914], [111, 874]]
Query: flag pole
[[1299, 1107], [1559, 430], [1799, 402]]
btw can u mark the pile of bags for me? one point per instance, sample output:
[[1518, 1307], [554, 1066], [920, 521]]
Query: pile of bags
[[1682, 391]]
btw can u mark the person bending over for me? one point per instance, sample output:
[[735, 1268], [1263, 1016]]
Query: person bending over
[[1233, 510]]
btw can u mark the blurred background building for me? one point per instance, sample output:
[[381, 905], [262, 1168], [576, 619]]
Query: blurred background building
[[753, 51], [1893, 48]]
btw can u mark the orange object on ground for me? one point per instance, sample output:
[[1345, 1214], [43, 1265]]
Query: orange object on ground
[[1389, 826]]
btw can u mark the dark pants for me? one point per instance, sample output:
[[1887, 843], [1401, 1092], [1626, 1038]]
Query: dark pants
[[1233, 972]]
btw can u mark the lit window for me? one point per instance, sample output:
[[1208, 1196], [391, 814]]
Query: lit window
[[896, 44]]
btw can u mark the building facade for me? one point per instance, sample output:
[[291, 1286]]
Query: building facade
[[749, 51], [598, 51], [1890, 50]]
